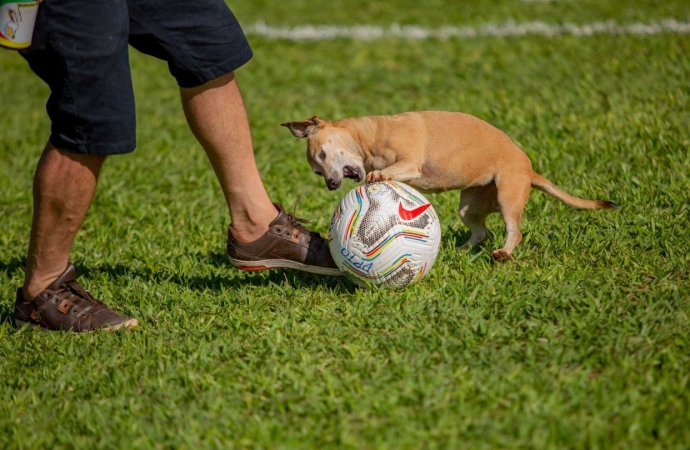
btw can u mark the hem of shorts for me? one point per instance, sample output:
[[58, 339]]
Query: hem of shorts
[[116, 148], [221, 69]]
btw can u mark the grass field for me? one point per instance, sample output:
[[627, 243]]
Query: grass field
[[582, 342]]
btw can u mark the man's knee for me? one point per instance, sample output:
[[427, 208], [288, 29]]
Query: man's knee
[[91, 161]]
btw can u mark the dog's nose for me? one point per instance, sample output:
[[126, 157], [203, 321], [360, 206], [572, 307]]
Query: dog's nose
[[332, 184]]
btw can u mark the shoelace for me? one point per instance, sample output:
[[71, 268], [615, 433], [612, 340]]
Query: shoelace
[[75, 294], [297, 223]]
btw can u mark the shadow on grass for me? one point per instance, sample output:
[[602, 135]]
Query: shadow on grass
[[455, 237], [7, 314], [213, 281], [216, 281], [12, 265], [9, 267]]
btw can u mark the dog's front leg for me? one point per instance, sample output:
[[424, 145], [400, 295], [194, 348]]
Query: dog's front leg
[[400, 171]]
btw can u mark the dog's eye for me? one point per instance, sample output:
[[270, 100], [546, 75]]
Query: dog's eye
[[322, 155], [318, 173]]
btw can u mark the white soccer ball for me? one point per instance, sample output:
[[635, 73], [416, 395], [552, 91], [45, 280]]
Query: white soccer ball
[[384, 233]]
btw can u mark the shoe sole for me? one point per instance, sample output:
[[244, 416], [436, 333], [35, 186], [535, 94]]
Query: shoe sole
[[128, 324], [267, 264]]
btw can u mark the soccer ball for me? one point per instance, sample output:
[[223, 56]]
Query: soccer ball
[[384, 234]]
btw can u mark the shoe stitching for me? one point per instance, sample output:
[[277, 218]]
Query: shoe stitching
[[264, 248]]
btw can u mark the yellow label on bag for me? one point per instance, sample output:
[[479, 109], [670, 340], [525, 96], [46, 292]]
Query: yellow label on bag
[[17, 20]]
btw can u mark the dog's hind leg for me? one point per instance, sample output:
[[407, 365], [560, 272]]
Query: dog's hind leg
[[513, 193], [475, 204]]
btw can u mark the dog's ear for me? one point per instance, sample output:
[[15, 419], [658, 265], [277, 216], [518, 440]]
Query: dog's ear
[[305, 127]]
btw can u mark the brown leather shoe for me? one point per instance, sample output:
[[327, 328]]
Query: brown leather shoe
[[286, 244], [64, 305]]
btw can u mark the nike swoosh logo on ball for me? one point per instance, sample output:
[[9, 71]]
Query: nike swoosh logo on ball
[[410, 214]]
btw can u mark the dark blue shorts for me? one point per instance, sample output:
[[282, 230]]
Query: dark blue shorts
[[80, 49]]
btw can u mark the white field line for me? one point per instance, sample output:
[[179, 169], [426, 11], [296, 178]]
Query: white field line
[[505, 29]]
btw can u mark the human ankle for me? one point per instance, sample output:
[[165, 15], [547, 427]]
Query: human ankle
[[250, 227], [246, 234], [38, 284]]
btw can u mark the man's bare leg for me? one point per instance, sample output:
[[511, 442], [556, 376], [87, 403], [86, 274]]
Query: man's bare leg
[[217, 117], [64, 185]]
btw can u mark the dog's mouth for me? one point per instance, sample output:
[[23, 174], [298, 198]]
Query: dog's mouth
[[353, 173]]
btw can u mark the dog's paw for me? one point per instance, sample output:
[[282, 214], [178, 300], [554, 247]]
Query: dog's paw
[[501, 255], [376, 176]]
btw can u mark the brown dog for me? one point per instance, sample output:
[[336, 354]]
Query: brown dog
[[435, 151]]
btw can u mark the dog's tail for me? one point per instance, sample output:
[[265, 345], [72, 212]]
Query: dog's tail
[[544, 185]]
